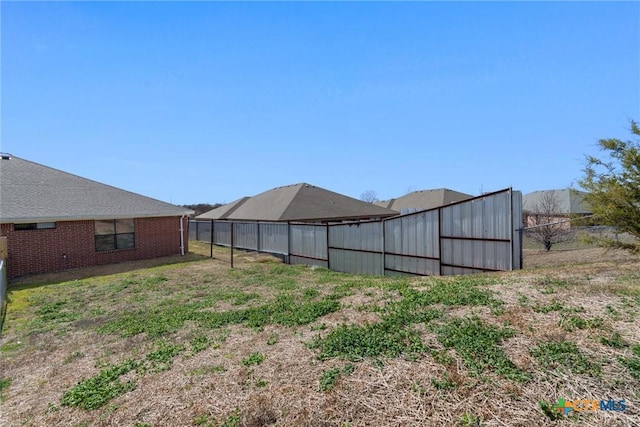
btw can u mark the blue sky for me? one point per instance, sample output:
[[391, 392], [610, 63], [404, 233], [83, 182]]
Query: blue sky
[[193, 102]]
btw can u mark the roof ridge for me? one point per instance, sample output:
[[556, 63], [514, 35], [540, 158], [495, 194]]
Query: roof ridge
[[241, 201]]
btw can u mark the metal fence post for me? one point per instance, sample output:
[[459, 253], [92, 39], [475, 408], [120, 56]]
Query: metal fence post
[[211, 238], [258, 238], [328, 251], [384, 256], [288, 242], [231, 244]]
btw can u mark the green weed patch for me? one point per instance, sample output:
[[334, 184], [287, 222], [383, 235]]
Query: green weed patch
[[564, 356], [479, 345], [95, 392], [330, 377], [373, 340], [4, 385], [285, 310], [253, 359]]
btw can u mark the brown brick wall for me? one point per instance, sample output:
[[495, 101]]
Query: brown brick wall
[[72, 245]]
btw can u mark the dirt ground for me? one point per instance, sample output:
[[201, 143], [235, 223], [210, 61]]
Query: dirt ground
[[217, 388]]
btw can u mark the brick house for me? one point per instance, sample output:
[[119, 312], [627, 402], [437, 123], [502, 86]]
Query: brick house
[[54, 221], [553, 206]]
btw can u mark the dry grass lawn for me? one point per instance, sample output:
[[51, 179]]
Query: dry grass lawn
[[186, 341]]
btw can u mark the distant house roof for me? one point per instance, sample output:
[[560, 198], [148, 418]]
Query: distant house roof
[[424, 199], [569, 201], [299, 202], [30, 192], [223, 212]]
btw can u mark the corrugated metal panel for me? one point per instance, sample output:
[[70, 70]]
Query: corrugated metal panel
[[412, 265], [354, 262], [366, 236], [203, 230], [415, 234], [482, 218], [449, 271], [516, 209], [245, 235], [222, 233], [295, 260], [193, 232], [274, 237], [480, 254], [308, 241]]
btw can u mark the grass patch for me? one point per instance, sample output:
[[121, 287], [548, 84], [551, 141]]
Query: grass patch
[[461, 291], [199, 343], [330, 377], [391, 337], [161, 358], [564, 356], [572, 322], [615, 341], [232, 420], [253, 359], [632, 363], [479, 346], [273, 339], [50, 315], [95, 392], [551, 285], [554, 305], [11, 346], [284, 310], [4, 385], [206, 370], [394, 335], [444, 383], [549, 410], [373, 340]]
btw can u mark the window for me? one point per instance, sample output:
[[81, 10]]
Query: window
[[114, 234], [34, 226]]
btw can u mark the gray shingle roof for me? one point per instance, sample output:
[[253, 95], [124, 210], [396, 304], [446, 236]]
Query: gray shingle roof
[[570, 201], [223, 212], [424, 199], [30, 192], [299, 202]]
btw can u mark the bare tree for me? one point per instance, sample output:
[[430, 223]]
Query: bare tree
[[545, 222], [369, 196]]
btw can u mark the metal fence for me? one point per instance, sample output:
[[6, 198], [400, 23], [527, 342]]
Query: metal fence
[[3, 291], [476, 235]]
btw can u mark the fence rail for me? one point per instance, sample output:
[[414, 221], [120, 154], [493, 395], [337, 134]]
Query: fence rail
[[476, 235]]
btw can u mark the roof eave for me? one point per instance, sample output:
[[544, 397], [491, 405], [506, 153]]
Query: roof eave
[[27, 220]]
